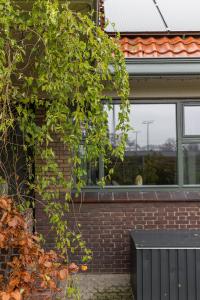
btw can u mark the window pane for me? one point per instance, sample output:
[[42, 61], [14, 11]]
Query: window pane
[[191, 117], [92, 173], [191, 154], [150, 156], [91, 169]]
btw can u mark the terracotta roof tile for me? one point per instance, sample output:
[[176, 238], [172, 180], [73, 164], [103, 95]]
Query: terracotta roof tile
[[160, 47]]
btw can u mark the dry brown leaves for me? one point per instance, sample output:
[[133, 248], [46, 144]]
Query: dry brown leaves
[[32, 268]]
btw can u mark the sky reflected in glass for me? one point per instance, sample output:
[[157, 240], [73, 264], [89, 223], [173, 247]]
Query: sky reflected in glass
[[192, 120], [154, 124]]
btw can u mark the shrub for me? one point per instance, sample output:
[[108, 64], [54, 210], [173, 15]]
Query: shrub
[[31, 268]]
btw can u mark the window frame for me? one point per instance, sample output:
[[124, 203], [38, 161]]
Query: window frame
[[188, 139], [181, 139]]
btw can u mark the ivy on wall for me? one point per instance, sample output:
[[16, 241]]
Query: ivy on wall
[[56, 61]]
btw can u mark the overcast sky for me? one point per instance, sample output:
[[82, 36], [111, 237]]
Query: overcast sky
[[192, 120], [162, 128]]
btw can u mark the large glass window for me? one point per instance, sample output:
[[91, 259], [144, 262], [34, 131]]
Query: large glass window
[[163, 146], [151, 151]]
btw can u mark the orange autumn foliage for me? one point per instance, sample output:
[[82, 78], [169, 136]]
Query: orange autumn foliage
[[32, 268]]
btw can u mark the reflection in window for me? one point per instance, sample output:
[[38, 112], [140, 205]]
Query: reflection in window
[[91, 168], [92, 173], [150, 156], [191, 154], [191, 120]]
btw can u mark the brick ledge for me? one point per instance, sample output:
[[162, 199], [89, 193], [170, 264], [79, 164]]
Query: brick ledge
[[136, 196]]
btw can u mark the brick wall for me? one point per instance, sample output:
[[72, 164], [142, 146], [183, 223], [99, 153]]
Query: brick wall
[[61, 153], [107, 219]]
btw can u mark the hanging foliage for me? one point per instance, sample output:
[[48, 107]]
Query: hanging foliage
[[55, 69]]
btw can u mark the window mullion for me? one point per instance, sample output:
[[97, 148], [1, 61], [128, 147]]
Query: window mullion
[[180, 142]]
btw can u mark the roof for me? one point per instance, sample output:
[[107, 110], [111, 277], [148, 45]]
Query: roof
[[156, 45], [151, 239], [161, 47]]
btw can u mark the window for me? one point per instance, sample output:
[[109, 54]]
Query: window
[[163, 147], [191, 156], [191, 143], [151, 151]]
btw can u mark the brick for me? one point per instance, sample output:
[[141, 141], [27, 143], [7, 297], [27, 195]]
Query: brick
[[193, 195], [106, 196], [118, 196], [178, 195], [163, 196], [135, 196], [149, 196]]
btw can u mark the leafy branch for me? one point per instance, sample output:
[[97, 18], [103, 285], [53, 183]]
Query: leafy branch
[[54, 72]]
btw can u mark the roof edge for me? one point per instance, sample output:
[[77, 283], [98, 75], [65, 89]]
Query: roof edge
[[163, 60], [163, 66]]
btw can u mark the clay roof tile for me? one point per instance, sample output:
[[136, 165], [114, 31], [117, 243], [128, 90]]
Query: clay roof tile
[[160, 47]]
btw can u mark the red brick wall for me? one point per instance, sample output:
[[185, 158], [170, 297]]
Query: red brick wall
[[61, 153], [107, 219]]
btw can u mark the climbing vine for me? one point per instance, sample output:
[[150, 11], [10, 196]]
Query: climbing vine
[[55, 69]]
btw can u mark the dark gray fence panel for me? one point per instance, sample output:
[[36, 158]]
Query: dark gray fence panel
[[147, 270], [173, 274], [182, 278], [155, 274], [164, 262], [167, 273], [139, 287], [191, 274]]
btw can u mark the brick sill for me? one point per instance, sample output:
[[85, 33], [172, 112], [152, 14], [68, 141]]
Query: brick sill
[[136, 196]]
